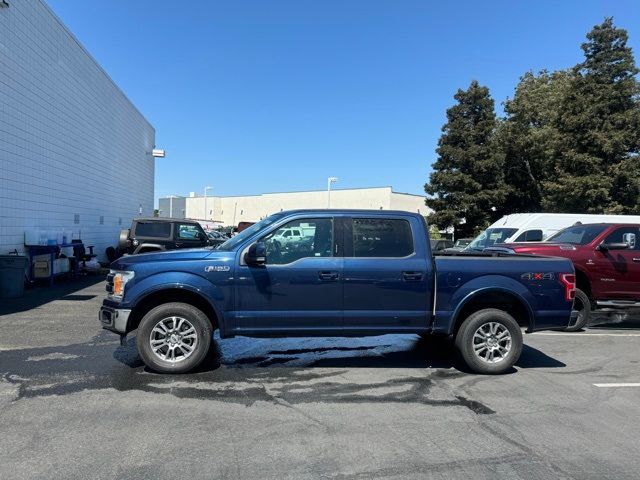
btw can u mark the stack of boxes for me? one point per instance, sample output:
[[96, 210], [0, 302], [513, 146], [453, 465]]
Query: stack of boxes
[[42, 266]]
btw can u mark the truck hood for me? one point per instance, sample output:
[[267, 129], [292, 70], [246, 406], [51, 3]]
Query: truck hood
[[168, 256], [539, 248]]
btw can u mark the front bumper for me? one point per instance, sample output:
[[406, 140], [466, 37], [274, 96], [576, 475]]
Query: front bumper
[[114, 319]]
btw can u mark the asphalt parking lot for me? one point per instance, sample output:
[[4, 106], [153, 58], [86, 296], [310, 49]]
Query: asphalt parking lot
[[75, 404]]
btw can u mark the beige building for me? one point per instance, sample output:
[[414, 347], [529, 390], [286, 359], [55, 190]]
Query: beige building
[[251, 208]]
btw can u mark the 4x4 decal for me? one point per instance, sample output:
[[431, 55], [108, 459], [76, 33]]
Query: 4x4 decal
[[537, 276]]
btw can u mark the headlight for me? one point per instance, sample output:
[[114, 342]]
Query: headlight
[[118, 281]]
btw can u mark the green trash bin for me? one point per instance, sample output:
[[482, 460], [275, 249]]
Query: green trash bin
[[12, 270]]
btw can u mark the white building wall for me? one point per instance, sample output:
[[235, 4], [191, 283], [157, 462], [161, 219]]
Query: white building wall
[[70, 141], [232, 210], [409, 203]]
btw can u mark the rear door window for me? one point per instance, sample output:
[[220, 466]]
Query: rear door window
[[381, 237], [153, 229]]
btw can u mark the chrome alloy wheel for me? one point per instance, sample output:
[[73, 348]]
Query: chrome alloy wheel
[[173, 339], [492, 342]]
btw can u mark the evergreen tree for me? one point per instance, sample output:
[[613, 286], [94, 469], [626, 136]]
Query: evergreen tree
[[527, 138], [466, 187], [597, 167]]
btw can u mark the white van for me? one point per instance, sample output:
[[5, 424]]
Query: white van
[[537, 227]]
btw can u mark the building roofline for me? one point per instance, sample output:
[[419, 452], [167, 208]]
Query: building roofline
[[302, 191], [91, 57]]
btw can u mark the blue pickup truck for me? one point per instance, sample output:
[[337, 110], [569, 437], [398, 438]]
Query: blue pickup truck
[[343, 273]]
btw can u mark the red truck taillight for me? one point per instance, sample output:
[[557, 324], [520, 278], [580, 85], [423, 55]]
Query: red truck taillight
[[569, 282]]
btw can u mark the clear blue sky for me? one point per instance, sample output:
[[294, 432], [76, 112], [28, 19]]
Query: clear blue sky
[[264, 96]]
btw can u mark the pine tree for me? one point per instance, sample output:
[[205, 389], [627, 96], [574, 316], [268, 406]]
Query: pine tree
[[466, 187], [527, 137], [598, 166]]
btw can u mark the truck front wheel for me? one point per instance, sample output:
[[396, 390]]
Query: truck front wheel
[[489, 341], [174, 338]]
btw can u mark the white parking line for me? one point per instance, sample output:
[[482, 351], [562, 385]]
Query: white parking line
[[615, 385], [584, 334]]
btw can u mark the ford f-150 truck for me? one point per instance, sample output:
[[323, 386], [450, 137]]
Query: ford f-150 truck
[[360, 273], [607, 262]]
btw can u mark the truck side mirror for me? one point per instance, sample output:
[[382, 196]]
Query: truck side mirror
[[629, 239], [256, 256], [604, 247]]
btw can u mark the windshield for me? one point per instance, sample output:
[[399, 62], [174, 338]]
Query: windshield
[[490, 237], [233, 242], [578, 235]]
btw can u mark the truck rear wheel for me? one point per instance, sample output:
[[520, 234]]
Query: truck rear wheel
[[489, 341], [582, 305], [174, 338]]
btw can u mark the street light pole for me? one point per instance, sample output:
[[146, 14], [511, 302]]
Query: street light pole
[[205, 200], [330, 180]]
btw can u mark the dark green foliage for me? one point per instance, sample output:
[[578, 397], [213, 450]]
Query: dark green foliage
[[466, 181], [570, 142], [527, 138], [599, 130]]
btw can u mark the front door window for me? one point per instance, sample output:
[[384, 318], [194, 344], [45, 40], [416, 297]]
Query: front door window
[[308, 237]]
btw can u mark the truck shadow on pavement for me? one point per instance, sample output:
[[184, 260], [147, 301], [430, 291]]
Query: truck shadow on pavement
[[422, 353], [281, 371]]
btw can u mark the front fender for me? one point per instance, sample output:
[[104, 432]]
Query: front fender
[[181, 280], [151, 247], [447, 311]]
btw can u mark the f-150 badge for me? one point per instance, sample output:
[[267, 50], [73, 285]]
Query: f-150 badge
[[217, 268]]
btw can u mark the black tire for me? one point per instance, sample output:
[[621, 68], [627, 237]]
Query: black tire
[[465, 341], [198, 320], [123, 242], [583, 305]]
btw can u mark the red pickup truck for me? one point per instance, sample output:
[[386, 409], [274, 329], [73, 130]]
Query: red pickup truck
[[606, 258]]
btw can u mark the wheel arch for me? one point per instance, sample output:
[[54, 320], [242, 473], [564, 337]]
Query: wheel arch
[[507, 300], [171, 294], [149, 247], [583, 282]]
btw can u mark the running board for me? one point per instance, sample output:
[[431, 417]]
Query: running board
[[618, 304]]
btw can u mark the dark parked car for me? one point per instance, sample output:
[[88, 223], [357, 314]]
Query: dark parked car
[[462, 243], [364, 272], [216, 238], [440, 245], [459, 246], [157, 234]]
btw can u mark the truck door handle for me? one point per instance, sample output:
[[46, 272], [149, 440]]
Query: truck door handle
[[178, 244], [412, 276], [636, 259], [328, 276]]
